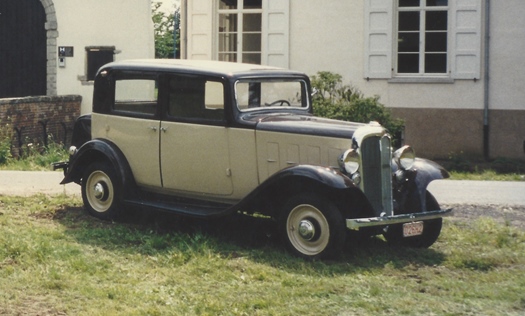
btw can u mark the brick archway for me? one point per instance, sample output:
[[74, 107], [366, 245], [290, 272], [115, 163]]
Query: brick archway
[[52, 34]]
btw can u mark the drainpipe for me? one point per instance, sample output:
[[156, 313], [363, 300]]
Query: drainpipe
[[183, 29], [486, 88]]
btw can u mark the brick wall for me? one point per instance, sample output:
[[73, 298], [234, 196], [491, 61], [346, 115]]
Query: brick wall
[[39, 120]]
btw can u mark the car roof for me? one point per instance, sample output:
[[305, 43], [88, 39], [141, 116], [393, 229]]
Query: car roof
[[227, 69]]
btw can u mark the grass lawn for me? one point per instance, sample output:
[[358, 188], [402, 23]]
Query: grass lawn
[[56, 260]]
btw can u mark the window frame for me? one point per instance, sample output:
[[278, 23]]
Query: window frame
[[422, 9], [89, 74], [240, 13]]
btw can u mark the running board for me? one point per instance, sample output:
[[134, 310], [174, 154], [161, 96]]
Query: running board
[[186, 209], [357, 223]]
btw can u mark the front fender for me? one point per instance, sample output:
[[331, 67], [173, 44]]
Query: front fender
[[299, 178], [426, 172], [98, 149]]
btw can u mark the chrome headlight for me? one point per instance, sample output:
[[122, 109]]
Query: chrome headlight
[[72, 150], [405, 157], [349, 161]]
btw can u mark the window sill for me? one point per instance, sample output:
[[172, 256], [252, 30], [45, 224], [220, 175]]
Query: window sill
[[438, 80], [83, 80]]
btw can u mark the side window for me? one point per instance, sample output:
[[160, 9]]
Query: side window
[[196, 99], [136, 97]]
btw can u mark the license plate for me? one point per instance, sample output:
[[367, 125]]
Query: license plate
[[412, 229]]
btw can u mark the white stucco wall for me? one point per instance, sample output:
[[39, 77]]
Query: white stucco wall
[[125, 24], [507, 65]]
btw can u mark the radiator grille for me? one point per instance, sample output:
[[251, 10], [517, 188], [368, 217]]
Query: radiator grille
[[376, 173]]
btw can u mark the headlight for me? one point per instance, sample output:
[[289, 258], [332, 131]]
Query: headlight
[[405, 157], [72, 150], [349, 161]]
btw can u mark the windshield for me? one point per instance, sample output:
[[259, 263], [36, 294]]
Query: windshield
[[279, 94]]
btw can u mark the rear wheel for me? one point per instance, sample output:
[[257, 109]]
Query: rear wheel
[[431, 229], [100, 190], [311, 227]]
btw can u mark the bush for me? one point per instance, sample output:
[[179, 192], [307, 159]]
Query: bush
[[345, 102], [6, 135]]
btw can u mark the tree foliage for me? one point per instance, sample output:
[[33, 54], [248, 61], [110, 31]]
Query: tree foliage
[[345, 102], [165, 26]]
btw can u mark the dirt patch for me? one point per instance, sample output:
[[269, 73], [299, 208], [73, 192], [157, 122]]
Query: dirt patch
[[504, 214]]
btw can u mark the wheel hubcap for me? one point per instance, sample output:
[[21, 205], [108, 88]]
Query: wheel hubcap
[[98, 191], [306, 229]]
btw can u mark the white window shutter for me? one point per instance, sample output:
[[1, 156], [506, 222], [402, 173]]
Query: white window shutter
[[378, 39], [276, 33], [200, 21], [466, 39]]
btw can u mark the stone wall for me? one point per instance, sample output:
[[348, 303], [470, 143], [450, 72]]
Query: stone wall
[[40, 120]]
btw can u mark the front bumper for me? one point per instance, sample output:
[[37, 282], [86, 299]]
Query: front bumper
[[357, 223]]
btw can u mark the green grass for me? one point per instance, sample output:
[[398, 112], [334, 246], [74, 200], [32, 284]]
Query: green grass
[[486, 175], [55, 259]]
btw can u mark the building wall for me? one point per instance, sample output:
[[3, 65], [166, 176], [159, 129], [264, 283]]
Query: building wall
[[125, 24], [441, 117]]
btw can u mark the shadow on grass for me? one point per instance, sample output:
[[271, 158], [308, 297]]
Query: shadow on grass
[[156, 233]]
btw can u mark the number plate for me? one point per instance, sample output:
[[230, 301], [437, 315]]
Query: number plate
[[412, 229]]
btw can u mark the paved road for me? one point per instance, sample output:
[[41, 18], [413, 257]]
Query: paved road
[[26, 183]]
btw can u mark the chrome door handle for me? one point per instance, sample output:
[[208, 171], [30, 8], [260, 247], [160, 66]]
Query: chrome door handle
[[153, 128], [164, 129]]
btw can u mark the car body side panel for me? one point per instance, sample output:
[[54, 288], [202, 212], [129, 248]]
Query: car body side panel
[[138, 139], [276, 151]]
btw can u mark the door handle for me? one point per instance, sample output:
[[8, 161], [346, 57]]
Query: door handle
[[164, 129], [153, 128]]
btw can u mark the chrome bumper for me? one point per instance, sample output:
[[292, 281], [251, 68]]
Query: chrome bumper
[[357, 223]]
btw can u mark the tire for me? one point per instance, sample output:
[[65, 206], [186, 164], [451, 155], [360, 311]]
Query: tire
[[431, 229], [312, 228], [101, 191]]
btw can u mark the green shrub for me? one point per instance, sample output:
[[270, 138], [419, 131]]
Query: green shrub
[[345, 102], [6, 135]]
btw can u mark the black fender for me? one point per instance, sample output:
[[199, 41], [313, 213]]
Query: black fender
[[99, 149], [288, 181], [426, 172]]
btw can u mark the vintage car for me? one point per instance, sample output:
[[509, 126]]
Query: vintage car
[[208, 139]]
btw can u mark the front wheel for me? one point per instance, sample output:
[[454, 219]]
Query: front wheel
[[100, 191], [431, 229], [311, 227]]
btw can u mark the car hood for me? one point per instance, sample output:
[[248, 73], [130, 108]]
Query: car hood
[[303, 124]]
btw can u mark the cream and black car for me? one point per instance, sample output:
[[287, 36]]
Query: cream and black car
[[208, 139]]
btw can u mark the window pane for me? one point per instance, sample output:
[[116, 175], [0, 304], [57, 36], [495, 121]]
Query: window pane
[[228, 42], [408, 63], [251, 58], [251, 42], [232, 57], [437, 3], [436, 20], [436, 42], [136, 96], [435, 63], [228, 4], [96, 58], [408, 21], [408, 42], [408, 3], [251, 22], [252, 4], [227, 22]]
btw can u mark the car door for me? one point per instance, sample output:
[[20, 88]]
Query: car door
[[194, 151], [133, 125]]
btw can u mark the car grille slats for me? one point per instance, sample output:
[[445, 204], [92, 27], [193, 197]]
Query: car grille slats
[[377, 183]]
